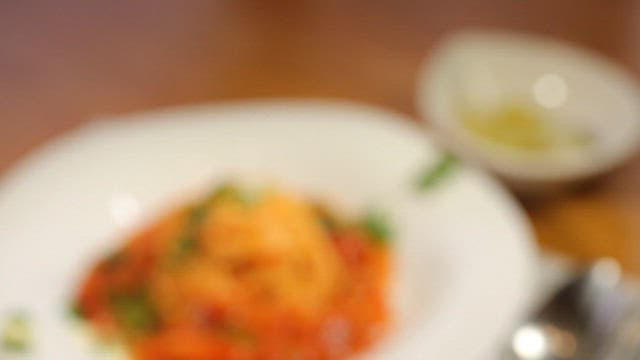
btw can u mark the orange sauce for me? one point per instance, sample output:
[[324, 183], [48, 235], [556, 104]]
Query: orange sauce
[[273, 277]]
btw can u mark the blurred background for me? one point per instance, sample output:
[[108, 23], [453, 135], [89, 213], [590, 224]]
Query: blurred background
[[65, 62]]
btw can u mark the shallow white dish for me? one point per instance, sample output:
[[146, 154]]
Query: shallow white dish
[[575, 88], [464, 250]]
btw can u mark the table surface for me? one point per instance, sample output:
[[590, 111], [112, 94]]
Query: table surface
[[65, 62]]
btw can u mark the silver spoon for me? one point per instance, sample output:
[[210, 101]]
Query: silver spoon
[[582, 321]]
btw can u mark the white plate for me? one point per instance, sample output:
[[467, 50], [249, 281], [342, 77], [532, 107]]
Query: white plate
[[464, 250]]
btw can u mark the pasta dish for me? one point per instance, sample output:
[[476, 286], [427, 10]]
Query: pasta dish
[[244, 275]]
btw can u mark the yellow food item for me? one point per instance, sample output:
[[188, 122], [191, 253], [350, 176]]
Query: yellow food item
[[520, 126]]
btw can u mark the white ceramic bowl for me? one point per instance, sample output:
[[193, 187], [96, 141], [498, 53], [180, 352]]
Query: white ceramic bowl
[[575, 87]]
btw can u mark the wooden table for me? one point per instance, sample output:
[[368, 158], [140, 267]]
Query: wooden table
[[64, 62]]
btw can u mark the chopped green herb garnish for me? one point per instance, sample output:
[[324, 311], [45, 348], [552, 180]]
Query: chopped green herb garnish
[[187, 243], [198, 214], [135, 312], [225, 190], [229, 191], [328, 221], [76, 311], [378, 227], [16, 334], [185, 246], [435, 173], [116, 259]]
